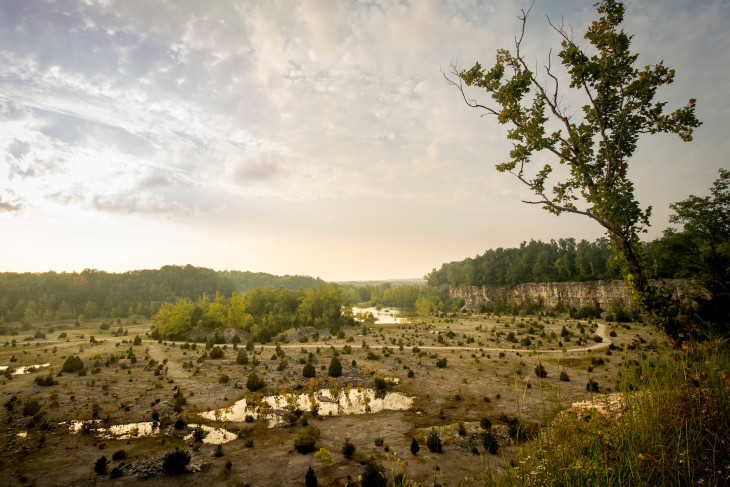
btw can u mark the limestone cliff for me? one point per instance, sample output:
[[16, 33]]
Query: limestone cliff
[[552, 294]]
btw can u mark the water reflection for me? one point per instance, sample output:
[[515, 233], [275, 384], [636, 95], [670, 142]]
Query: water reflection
[[384, 315], [25, 369]]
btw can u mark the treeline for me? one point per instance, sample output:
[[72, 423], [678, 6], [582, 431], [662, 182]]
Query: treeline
[[536, 261], [263, 312], [48, 296]]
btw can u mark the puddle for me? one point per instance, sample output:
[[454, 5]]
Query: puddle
[[128, 431], [272, 408], [25, 369], [382, 316]]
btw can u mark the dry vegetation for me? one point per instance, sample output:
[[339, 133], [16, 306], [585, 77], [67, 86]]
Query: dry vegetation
[[458, 370]]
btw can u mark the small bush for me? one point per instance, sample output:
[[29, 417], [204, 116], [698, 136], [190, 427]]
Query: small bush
[[348, 449], [304, 443], [119, 455], [415, 447], [564, 376], [72, 364], [175, 462], [100, 466], [254, 382], [335, 368], [592, 386], [116, 473], [540, 371], [441, 363], [310, 479], [373, 476], [309, 370], [434, 443], [216, 353], [490, 443], [379, 441], [242, 357], [485, 423]]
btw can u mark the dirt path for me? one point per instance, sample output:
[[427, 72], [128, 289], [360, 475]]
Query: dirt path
[[600, 331]]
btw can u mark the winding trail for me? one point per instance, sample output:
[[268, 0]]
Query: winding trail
[[600, 331]]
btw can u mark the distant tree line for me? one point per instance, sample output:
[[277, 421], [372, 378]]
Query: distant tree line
[[536, 261], [48, 296]]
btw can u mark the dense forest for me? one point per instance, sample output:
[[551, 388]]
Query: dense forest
[[263, 312], [91, 293], [564, 260]]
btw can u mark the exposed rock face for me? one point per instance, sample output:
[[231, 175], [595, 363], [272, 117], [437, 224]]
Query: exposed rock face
[[552, 294]]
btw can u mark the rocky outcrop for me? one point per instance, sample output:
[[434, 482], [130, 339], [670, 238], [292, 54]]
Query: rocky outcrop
[[605, 294]]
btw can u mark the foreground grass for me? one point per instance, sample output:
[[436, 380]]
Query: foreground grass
[[672, 427]]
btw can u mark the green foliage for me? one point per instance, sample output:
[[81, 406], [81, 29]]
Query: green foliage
[[72, 364], [309, 370], [119, 455], [254, 382], [348, 449], [564, 376], [335, 368], [373, 476], [242, 357], [490, 442], [596, 144], [46, 381], [540, 371], [216, 353], [175, 462], [534, 261], [433, 442], [441, 363], [304, 443], [674, 431]]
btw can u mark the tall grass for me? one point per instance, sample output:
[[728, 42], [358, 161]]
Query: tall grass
[[672, 428]]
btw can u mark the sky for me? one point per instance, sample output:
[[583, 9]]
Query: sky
[[312, 137]]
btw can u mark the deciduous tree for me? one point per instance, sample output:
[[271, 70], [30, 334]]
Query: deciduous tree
[[596, 144]]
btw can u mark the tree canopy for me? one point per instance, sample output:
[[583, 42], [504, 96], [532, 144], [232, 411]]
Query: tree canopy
[[596, 144]]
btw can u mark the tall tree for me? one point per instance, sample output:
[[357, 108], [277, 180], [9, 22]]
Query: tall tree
[[597, 143]]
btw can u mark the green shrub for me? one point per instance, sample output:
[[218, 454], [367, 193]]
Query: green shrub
[[119, 455], [254, 382], [116, 473], [415, 448], [564, 376], [175, 462], [310, 479], [374, 476], [441, 363], [216, 353], [433, 442], [72, 364], [309, 370], [335, 368], [100, 465], [304, 443], [348, 449], [490, 442], [592, 386], [485, 423], [540, 371], [242, 357]]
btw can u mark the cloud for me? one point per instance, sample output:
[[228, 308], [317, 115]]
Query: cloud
[[141, 204], [9, 202], [11, 111]]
